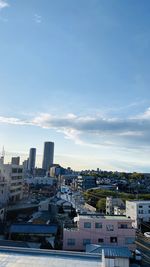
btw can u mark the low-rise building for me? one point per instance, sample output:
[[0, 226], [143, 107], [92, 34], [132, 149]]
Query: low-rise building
[[41, 181], [12, 175], [98, 229], [113, 256], [32, 232], [86, 182], [138, 211]]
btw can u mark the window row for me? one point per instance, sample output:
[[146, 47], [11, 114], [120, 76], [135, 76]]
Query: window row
[[113, 239], [88, 225], [144, 212], [109, 227]]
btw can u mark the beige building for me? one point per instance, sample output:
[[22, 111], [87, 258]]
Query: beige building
[[11, 175]]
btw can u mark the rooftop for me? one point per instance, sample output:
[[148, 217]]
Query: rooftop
[[139, 201], [33, 229], [109, 251], [117, 217], [107, 217], [34, 257]]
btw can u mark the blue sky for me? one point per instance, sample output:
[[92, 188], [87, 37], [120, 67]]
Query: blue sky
[[76, 73]]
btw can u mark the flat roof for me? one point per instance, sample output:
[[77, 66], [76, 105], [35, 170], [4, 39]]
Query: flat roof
[[107, 217], [117, 218], [35, 257]]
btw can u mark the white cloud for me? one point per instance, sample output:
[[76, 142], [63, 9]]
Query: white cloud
[[145, 115], [37, 18], [3, 4], [13, 121], [94, 131]]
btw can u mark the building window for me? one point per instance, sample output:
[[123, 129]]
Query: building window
[[140, 206], [14, 170], [140, 211], [109, 227], [100, 240], [71, 242], [123, 226], [87, 225], [129, 240], [148, 211], [86, 242], [113, 239], [98, 225]]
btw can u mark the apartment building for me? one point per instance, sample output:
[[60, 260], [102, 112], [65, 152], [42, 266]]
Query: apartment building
[[3, 191], [138, 211], [98, 229], [11, 175]]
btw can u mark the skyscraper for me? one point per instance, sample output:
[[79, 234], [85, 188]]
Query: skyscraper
[[32, 158], [48, 155]]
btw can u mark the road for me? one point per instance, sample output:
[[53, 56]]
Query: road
[[143, 244]]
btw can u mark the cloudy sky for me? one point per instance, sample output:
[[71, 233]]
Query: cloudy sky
[[76, 73]]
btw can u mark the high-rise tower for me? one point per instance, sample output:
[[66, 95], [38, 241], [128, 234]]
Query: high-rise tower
[[32, 158], [48, 155]]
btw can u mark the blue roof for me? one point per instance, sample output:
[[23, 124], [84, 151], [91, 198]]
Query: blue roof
[[118, 252], [109, 251], [33, 229]]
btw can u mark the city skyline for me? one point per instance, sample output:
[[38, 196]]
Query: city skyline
[[76, 73]]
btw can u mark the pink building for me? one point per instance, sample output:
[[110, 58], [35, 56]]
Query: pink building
[[97, 229]]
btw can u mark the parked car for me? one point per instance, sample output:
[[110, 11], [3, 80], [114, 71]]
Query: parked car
[[147, 234], [138, 256]]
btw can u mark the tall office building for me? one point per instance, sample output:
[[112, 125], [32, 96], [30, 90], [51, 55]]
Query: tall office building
[[48, 155], [32, 158]]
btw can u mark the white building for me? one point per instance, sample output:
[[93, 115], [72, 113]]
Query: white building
[[112, 203], [139, 211], [41, 180], [11, 182]]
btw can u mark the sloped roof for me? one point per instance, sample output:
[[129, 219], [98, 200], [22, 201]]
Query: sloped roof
[[33, 229], [109, 251]]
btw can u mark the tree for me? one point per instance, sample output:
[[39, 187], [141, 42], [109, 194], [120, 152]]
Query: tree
[[101, 205]]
